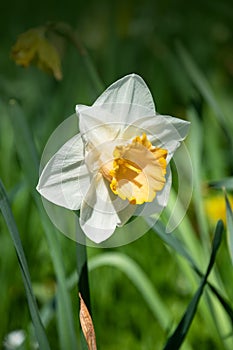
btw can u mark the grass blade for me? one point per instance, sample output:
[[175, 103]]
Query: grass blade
[[223, 302], [177, 338], [8, 216], [226, 183], [65, 30], [30, 164], [229, 228], [173, 242], [139, 279], [199, 80], [196, 143]]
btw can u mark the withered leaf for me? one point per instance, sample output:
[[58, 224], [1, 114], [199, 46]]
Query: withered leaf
[[87, 325]]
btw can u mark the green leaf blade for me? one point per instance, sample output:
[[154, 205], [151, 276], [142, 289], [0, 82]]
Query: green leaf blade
[[8, 216], [178, 336], [137, 276], [229, 227], [226, 183], [30, 164], [199, 80]]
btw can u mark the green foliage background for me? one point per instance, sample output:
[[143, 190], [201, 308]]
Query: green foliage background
[[122, 37]]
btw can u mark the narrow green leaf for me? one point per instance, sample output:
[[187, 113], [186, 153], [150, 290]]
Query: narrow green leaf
[[216, 243], [30, 164], [222, 300], [137, 276], [199, 80], [65, 30], [94, 76], [196, 143], [82, 269], [226, 183], [173, 242], [8, 216], [229, 228], [24, 142], [177, 338]]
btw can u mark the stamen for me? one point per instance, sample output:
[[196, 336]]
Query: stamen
[[133, 168]]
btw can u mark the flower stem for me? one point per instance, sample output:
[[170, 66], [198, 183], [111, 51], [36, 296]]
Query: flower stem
[[83, 283], [65, 30]]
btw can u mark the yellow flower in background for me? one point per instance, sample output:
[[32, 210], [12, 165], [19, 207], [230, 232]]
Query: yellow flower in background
[[215, 207], [32, 47]]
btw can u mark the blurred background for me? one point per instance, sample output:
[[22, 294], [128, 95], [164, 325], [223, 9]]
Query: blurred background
[[184, 52]]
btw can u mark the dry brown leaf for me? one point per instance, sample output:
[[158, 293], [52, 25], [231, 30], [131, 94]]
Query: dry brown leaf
[[87, 325]]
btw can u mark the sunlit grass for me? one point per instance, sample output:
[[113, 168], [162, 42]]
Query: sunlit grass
[[32, 105]]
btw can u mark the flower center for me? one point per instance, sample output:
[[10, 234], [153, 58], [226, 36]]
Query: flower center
[[138, 170]]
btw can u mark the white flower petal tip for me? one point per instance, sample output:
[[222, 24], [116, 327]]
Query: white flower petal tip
[[96, 234], [118, 164], [124, 90]]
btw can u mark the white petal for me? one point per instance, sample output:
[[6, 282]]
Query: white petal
[[102, 211], [130, 89], [125, 101], [163, 131], [97, 125], [65, 178]]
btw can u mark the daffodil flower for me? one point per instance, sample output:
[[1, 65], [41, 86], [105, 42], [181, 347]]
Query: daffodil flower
[[32, 46], [118, 164]]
